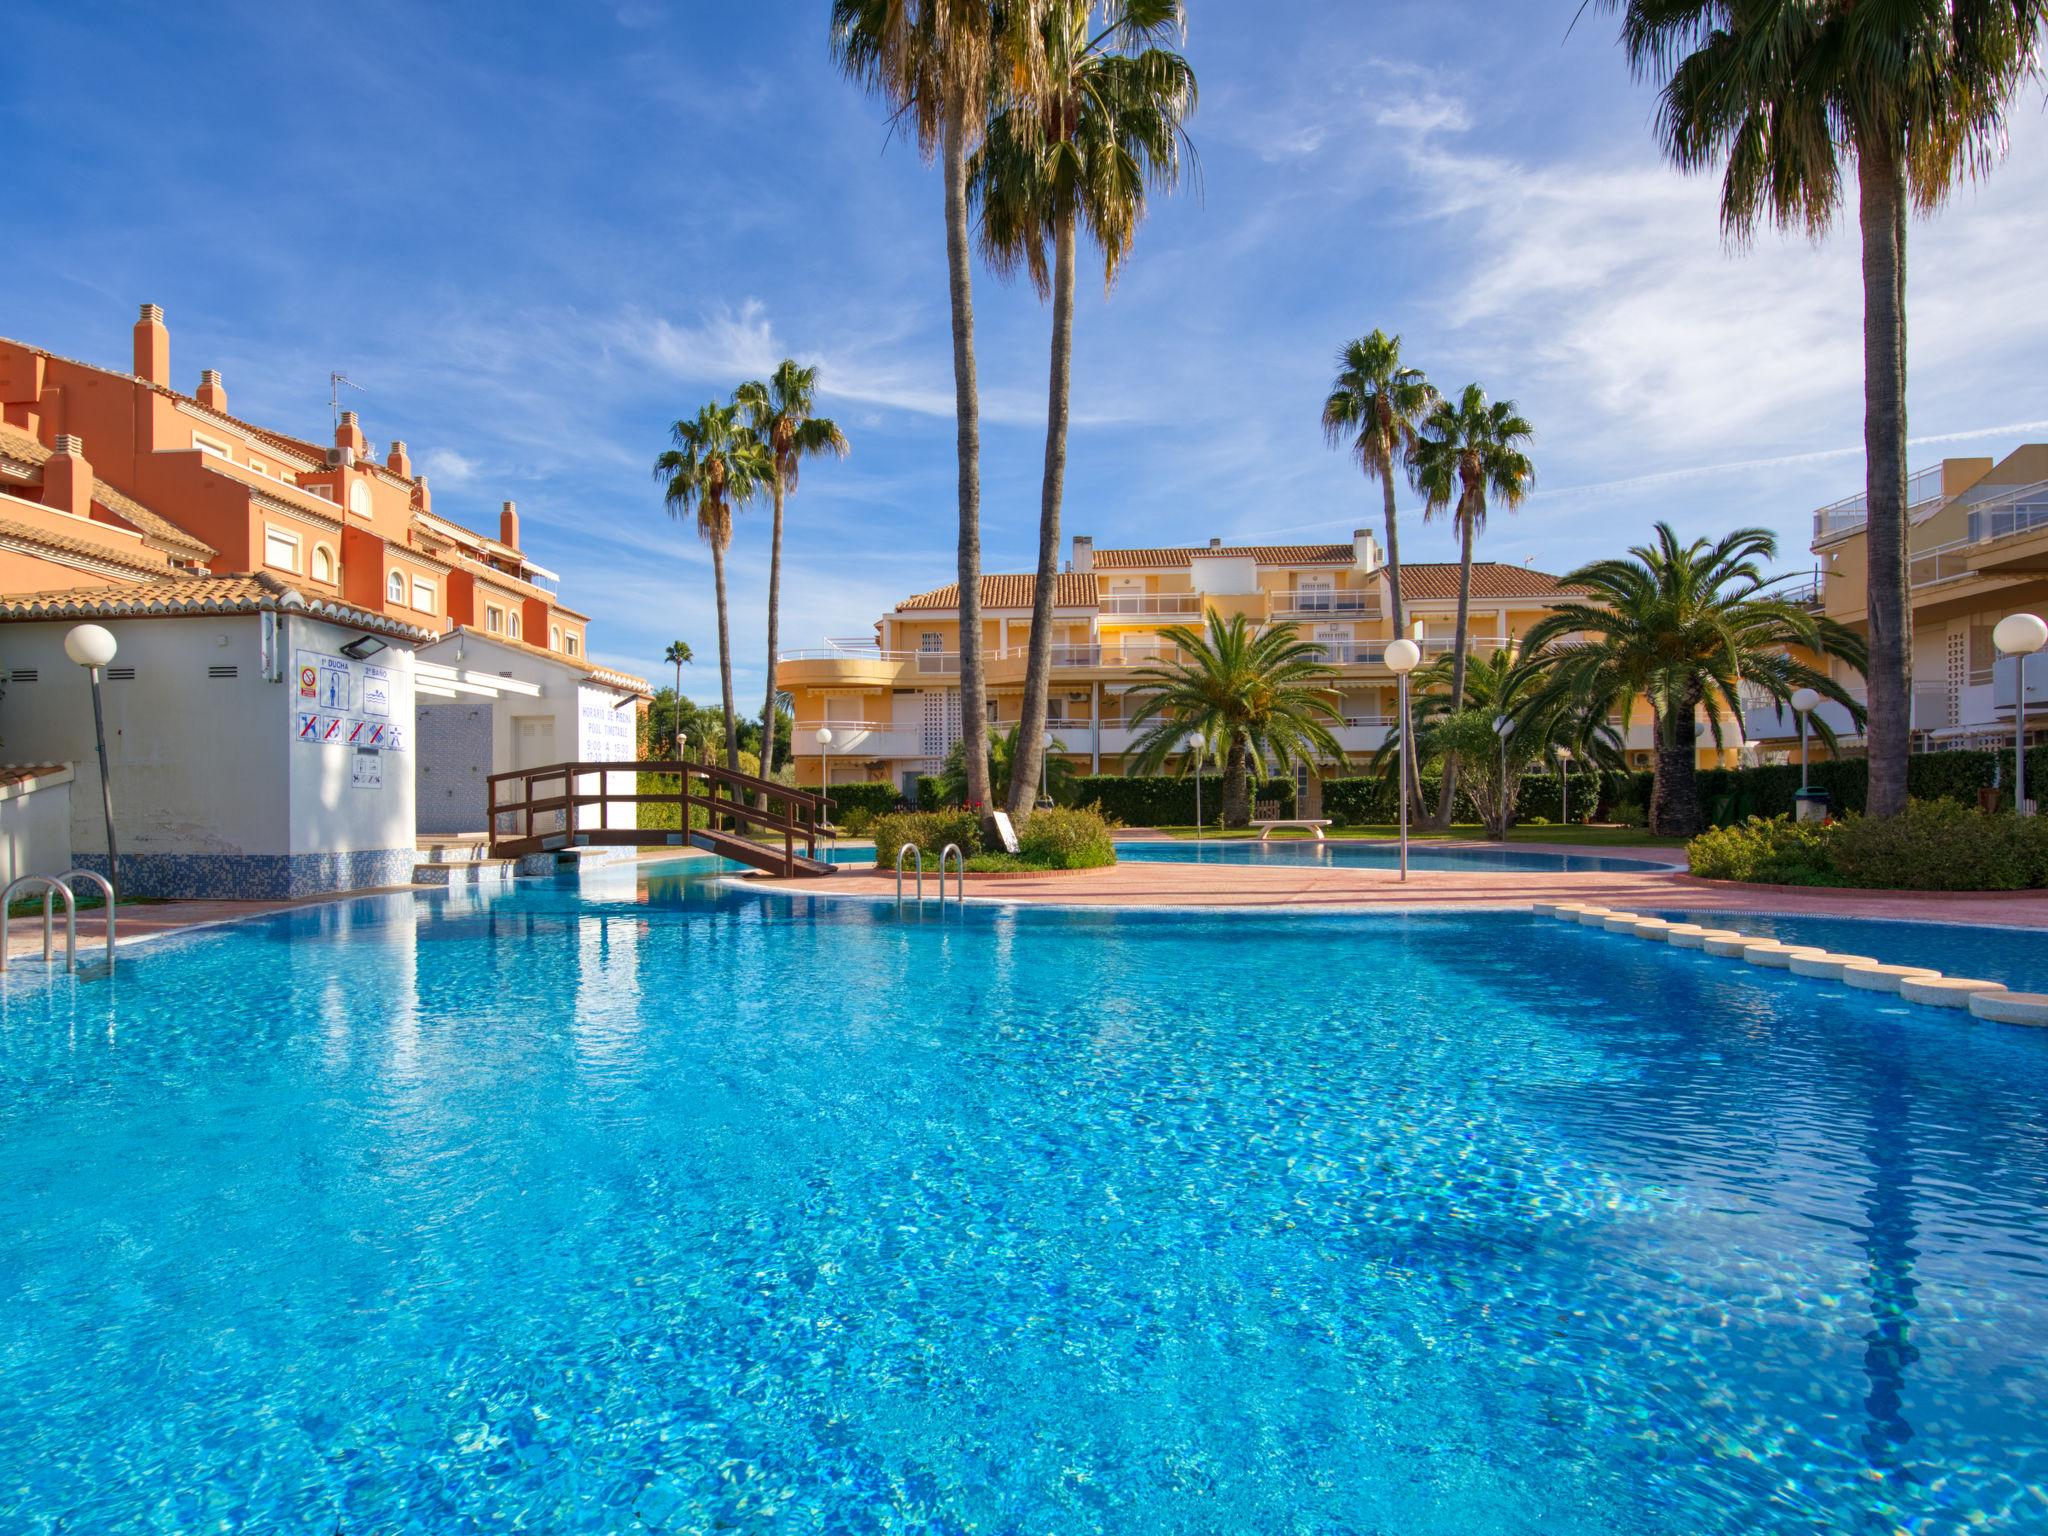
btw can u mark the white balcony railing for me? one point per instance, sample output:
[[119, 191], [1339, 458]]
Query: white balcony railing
[[1153, 602], [2016, 510], [1923, 490], [1364, 605]]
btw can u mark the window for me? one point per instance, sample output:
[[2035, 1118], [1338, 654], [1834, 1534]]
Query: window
[[213, 446], [323, 563], [1055, 711], [515, 626], [494, 619], [359, 498], [257, 465], [423, 594], [394, 587], [554, 637], [572, 643], [280, 549]]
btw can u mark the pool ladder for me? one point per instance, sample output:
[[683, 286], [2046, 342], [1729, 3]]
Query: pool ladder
[[950, 852], [52, 885]]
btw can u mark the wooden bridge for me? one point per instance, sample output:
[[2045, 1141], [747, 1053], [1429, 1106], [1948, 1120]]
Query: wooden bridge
[[538, 810]]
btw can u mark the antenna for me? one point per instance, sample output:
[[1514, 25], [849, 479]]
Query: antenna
[[334, 383]]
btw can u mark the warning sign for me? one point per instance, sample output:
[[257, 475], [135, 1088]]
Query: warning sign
[[343, 703], [368, 770], [377, 692]]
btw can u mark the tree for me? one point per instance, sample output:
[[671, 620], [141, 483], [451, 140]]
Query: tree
[[1003, 758], [1915, 93], [1252, 698], [1688, 626], [934, 62], [1464, 451], [1077, 153], [716, 467], [1376, 403], [779, 412], [676, 655]]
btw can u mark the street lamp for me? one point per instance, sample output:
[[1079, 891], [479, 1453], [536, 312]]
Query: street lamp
[[825, 756], [1194, 745], [1564, 758], [1505, 728], [1403, 656], [92, 648], [1811, 807], [2019, 635]]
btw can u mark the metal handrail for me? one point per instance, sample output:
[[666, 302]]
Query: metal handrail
[[916, 853], [952, 851], [51, 884], [106, 886]]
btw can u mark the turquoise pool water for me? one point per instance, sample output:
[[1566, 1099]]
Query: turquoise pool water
[[655, 1205], [1374, 854]]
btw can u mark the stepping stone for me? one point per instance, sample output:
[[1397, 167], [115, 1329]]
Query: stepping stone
[[1881, 978], [1567, 911], [1693, 936], [1621, 922], [1595, 917], [1729, 946], [1826, 966], [1944, 991], [1543, 908], [1651, 928], [2010, 1007], [1778, 956]]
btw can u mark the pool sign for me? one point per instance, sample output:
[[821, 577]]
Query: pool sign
[[344, 703]]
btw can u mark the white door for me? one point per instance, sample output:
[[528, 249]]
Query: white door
[[533, 746]]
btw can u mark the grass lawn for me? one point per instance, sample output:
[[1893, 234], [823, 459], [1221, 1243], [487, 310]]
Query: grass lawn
[[1586, 837], [32, 906]]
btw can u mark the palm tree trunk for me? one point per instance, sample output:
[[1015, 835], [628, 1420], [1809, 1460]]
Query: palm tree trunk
[[1447, 797], [1237, 800], [1674, 788], [1408, 764], [774, 612], [967, 423], [1881, 185], [1030, 750], [675, 723], [732, 735]]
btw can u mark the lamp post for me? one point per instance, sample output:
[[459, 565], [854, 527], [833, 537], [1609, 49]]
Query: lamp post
[[1402, 658], [1504, 728], [1194, 745], [1564, 758], [825, 757], [92, 648], [2019, 635], [1809, 806]]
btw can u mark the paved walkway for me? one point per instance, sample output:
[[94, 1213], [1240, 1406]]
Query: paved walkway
[[152, 919], [1661, 885]]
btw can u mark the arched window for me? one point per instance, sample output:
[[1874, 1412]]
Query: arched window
[[359, 498], [323, 563], [554, 638], [515, 623], [394, 587]]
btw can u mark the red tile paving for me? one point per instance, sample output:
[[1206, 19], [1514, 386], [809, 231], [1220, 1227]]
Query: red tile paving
[[25, 934]]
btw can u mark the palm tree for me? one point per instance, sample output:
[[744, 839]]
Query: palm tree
[[779, 412], [1079, 152], [935, 62], [1463, 452], [1687, 626], [1253, 698], [1058, 771], [1915, 93], [716, 467], [1377, 402], [676, 655]]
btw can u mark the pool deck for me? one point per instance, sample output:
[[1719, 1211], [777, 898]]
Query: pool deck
[[1662, 885], [152, 920]]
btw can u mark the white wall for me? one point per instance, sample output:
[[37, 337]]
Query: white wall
[[35, 826], [348, 795]]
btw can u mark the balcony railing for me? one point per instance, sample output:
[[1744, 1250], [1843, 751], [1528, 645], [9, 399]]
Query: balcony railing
[[1155, 602], [1336, 653], [2010, 512], [1362, 605], [1923, 490]]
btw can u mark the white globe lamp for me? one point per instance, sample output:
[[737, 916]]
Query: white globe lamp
[[92, 647], [2019, 635]]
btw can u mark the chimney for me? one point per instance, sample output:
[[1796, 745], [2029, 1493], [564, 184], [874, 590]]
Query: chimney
[[508, 525], [152, 347], [398, 461], [421, 496], [1084, 553], [349, 434], [1365, 552], [1215, 543], [67, 478], [212, 393]]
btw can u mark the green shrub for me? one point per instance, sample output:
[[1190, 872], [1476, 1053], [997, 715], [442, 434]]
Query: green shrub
[[931, 792], [658, 817], [998, 864], [1940, 845], [876, 798], [1065, 839], [1156, 800], [930, 830], [1772, 850], [857, 822]]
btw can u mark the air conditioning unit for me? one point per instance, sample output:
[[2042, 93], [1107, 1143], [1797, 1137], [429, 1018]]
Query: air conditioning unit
[[341, 458]]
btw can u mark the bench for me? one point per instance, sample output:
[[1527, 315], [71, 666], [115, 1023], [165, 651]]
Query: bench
[[1267, 827]]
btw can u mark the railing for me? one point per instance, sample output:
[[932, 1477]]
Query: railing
[[2014, 511], [1944, 562], [1357, 604], [53, 886], [1368, 722], [1153, 602], [1923, 489]]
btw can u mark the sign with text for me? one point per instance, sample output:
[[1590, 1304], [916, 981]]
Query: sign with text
[[342, 703]]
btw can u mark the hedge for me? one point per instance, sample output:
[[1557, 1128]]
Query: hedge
[[1732, 795], [1159, 801], [877, 799]]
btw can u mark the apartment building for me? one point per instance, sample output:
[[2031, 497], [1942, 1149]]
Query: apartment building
[[891, 702], [1977, 542]]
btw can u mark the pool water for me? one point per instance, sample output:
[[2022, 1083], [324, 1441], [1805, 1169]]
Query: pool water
[[655, 1204], [1376, 853]]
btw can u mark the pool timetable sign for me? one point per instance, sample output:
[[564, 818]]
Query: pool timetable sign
[[342, 703]]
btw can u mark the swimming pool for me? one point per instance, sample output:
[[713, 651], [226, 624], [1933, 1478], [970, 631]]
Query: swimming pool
[[656, 1204], [1376, 853]]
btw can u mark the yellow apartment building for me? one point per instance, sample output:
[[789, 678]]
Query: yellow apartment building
[[891, 702], [1977, 542]]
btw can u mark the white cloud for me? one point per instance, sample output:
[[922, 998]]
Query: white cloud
[[444, 466]]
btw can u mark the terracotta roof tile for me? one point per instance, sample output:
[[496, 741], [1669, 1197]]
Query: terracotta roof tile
[[20, 446], [1432, 580], [144, 560], [1263, 554], [181, 596], [1073, 590]]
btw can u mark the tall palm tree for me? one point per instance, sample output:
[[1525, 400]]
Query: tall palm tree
[[1687, 626], [1078, 153], [935, 62], [780, 413], [716, 467], [1377, 402], [676, 655], [1465, 451], [1253, 698], [1915, 93]]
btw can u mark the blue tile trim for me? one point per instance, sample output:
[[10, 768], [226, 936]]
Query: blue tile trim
[[256, 876]]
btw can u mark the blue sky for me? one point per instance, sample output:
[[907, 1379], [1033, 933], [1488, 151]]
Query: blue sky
[[536, 235]]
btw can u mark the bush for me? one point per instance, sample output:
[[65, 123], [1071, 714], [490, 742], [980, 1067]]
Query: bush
[[653, 814], [930, 830], [931, 792], [1156, 800], [1771, 850], [1065, 839], [877, 799]]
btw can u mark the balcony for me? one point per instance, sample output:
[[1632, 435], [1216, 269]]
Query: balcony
[[857, 740], [1168, 604], [1316, 605], [1923, 491]]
